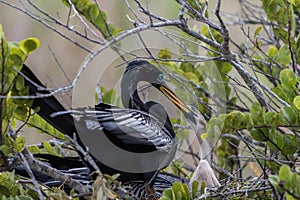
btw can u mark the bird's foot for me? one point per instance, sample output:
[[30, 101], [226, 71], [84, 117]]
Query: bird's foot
[[150, 193]]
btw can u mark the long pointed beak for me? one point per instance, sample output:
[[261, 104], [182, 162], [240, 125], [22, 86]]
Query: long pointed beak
[[190, 115]]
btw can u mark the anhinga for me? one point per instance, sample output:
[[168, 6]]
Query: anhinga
[[131, 128]]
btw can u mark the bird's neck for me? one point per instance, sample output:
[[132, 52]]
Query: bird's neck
[[131, 99]]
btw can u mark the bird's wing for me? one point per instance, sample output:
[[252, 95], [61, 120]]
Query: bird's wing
[[129, 127]]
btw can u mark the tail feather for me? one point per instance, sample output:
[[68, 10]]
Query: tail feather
[[48, 105]]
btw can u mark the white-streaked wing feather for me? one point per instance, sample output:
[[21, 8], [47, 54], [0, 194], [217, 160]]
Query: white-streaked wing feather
[[140, 124]]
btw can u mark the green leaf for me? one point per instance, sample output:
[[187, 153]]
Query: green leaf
[[202, 188], [285, 173], [184, 66], [164, 53], [176, 187], [271, 118], [191, 77], [272, 51], [19, 143], [288, 78], [20, 82], [93, 12], [291, 115], [195, 186], [289, 197], [292, 2], [296, 102], [277, 139], [291, 144], [168, 194], [109, 96], [214, 128], [281, 34], [29, 45], [298, 54], [181, 191], [248, 120], [178, 195], [257, 114], [224, 68], [238, 121], [16, 56], [257, 30], [16, 59], [6, 150], [284, 55], [21, 112], [258, 135], [274, 180], [165, 198], [34, 149], [186, 192], [272, 146], [82, 4], [47, 146], [42, 125], [295, 179]]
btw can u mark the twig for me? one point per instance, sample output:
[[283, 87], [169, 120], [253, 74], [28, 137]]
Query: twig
[[56, 174], [87, 156], [26, 164], [31, 164]]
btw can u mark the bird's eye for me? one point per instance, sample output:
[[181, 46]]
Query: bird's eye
[[160, 78]]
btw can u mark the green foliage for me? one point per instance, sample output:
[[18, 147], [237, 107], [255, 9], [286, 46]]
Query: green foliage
[[189, 72], [296, 102], [23, 112], [286, 182], [176, 167], [17, 108], [38, 123], [9, 189], [262, 127], [276, 10], [284, 36], [288, 79], [109, 97], [179, 191], [195, 186], [197, 77], [197, 5], [19, 143], [284, 13], [214, 128], [34, 149], [97, 17], [29, 45], [53, 150], [12, 56]]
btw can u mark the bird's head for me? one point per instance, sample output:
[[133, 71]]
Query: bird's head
[[141, 70]]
